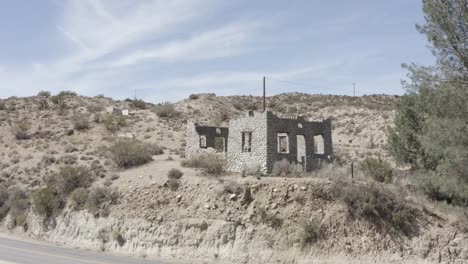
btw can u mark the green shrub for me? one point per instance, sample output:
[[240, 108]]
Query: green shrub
[[99, 201], [81, 121], [210, 163], [128, 153], [194, 97], [44, 201], [44, 94], [165, 110], [67, 94], [175, 174], [78, 198], [377, 169], [441, 187], [69, 178], [379, 206]]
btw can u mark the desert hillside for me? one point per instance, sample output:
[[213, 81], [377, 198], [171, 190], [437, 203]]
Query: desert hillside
[[74, 173]]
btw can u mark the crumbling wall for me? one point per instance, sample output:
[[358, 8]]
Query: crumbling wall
[[237, 158], [294, 126], [195, 132]]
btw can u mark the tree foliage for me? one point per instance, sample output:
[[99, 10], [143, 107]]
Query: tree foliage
[[431, 125]]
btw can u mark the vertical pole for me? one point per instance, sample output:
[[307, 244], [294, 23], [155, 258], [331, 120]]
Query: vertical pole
[[352, 170], [264, 95], [354, 89]]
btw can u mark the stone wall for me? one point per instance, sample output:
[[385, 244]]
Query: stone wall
[[263, 128], [193, 133], [237, 160], [295, 126]]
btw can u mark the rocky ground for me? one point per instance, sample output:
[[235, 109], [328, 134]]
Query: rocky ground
[[227, 218]]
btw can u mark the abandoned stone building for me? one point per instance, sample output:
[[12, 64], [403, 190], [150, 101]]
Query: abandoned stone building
[[259, 139]]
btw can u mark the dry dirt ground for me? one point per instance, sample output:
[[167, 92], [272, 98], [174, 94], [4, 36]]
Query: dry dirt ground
[[203, 219]]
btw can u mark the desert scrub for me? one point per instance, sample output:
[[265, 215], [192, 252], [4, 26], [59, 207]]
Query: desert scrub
[[175, 174], [69, 178], [112, 123], [128, 153], [14, 201], [43, 94], [194, 97], [165, 110], [117, 237], [99, 201], [284, 168], [81, 121], [377, 169], [154, 149], [379, 206], [78, 198], [310, 232], [21, 130], [267, 218], [441, 187], [44, 202], [139, 104], [210, 163]]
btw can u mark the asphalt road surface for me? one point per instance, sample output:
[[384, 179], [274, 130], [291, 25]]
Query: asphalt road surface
[[23, 252]]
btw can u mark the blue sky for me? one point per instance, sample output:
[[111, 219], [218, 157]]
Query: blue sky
[[166, 50]]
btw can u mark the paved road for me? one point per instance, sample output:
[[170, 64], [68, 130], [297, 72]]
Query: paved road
[[23, 252]]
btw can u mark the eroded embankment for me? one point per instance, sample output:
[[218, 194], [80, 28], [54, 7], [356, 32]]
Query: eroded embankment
[[203, 221]]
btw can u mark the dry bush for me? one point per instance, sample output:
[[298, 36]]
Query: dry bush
[[78, 198], [2, 105], [154, 149], [311, 231], [232, 187], [43, 104], [44, 94], [165, 110], [69, 178], [267, 218], [175, 174], [379, 206], [210, 163], [21, 130], [128, 153], [377, 169], [99, 201], [81, 121], [4, 207], [95, 108], [117, 236], [139, 104], [194, 97], [284, 168], [113, 123], [44, 201]]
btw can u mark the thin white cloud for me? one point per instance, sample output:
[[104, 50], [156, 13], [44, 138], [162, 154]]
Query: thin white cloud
[[224, 41]]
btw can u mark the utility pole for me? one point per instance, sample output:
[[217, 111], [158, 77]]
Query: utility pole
[[134, 92], [264, 95], [354, 89]]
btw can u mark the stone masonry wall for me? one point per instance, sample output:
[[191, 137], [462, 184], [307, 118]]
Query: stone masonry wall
[[255, 122], [193, 133], [293, 127]]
